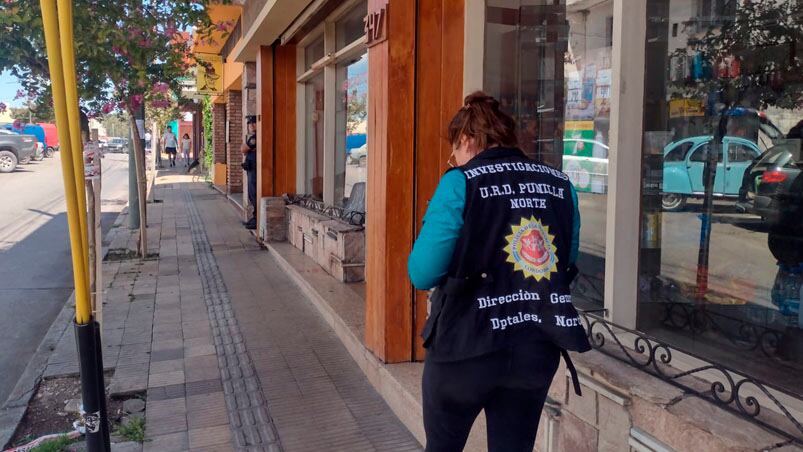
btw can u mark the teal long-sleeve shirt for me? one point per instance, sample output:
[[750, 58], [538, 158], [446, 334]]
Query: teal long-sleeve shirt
[[432, 252]]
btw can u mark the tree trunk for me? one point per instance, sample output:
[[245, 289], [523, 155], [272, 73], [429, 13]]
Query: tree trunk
[[139, 161]]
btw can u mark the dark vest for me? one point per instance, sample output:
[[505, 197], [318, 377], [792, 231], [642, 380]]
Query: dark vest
[[508, 282]]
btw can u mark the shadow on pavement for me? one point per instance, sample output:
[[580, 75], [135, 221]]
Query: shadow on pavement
[[35, 282]]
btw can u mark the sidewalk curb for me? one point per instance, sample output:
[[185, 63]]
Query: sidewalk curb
[[15, 406], [17, 402]]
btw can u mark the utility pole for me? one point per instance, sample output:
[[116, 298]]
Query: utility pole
[[58, 30]]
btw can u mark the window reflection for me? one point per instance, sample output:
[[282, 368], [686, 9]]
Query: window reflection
[[721, 260], [314, 135], [350, 27], [351, 156], [314, 52], [550, 66]]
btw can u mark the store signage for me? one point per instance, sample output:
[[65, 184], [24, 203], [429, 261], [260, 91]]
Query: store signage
[[376, 27], [208, 74], [686, 108]]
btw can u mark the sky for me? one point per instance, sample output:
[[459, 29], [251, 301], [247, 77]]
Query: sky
[[8, 89]]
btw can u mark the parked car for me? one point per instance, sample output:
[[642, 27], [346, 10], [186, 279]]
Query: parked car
[[35, 130], [15, 149], [39, 152], [51, 138], [116, 145], [684, 164], [772, 186], [359, 155]]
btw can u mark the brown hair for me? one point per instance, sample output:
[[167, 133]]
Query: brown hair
[[481, 119]]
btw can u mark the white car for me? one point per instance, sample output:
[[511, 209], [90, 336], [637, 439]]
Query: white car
[[359, 156]]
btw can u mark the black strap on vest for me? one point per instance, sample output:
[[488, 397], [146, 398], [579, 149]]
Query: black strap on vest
[[572, 371]]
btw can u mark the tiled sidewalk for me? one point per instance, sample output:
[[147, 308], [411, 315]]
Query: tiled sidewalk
[[227, 350]]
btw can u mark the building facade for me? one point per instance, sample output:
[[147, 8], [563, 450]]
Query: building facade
[[679, 123]]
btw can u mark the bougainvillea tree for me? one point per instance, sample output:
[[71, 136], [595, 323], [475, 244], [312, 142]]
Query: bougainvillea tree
[[128, 53]]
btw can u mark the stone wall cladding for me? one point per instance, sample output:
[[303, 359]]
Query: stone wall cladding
[[336, 246], [234, 157], [272, 220], [618, 398], [219, 132]]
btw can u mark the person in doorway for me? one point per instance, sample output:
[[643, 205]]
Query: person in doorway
[[169, 144], [249, 149], [499, 242], [186, 145]]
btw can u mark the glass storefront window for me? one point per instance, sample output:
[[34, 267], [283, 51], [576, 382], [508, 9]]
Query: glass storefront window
[[721, 253], [314, 110], [314, 52], [550, 67], [350, 27], [351, 153], [336, 150]]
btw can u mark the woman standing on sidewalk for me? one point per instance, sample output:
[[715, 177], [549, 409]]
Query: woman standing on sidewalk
[[499, 242], [186, 145]]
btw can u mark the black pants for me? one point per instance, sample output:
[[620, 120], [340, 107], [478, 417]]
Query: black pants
[[510, 385], [252, 194]]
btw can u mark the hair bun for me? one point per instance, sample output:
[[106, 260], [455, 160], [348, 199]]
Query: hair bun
[[480, 98]]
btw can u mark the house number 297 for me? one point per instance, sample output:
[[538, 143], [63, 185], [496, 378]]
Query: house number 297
[[375, 27]]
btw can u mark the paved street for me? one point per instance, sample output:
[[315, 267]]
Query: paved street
[[35, 269]]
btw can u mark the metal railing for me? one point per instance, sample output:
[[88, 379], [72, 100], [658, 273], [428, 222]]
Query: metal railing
[[728, 388], [352, 217]]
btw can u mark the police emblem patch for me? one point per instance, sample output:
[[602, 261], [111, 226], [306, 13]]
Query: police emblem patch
[[530, 249]]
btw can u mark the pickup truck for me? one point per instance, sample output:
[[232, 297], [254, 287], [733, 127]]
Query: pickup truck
[[15, 149]]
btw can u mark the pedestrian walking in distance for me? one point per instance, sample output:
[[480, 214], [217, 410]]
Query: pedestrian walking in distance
[[186, 145], [249, 150], [499, 242], [169, 143]]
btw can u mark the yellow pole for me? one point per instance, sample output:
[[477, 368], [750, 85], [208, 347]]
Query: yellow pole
[[73, 116], [51, 28]]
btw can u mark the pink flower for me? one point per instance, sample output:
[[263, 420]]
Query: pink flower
[[136, 100], [20, 94], [107, 107], [160, 103], [2, 107], [161, 87]]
